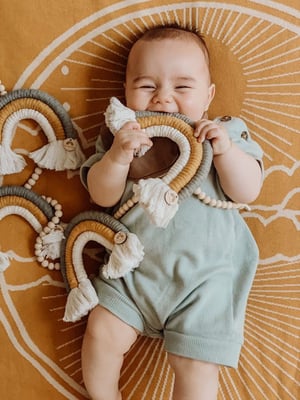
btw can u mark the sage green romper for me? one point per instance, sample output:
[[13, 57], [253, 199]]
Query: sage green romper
[[192, 286]]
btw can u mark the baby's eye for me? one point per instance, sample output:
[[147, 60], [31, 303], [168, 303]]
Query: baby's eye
[[183, 87], [147, 87]]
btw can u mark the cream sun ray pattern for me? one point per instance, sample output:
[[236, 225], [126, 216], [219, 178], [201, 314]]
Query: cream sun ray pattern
[[272, 121], [244, 371], [263, 139], [153, 348], [247, 38], [33, 355], [257, 107], [31, 359], [264, 336], [276, 353], [275, 47], [269, 39], [236, 33], [272, 58], [272, 371]]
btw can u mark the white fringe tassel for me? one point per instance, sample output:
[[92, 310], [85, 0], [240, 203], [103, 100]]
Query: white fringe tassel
[[124, 258], [55, 156], [10, 162], [4, 261], [159, 201], [81, 300], [51, 244], [117, 115]]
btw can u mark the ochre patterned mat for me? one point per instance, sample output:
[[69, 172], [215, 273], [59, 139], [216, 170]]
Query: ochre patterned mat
[[76, 52]]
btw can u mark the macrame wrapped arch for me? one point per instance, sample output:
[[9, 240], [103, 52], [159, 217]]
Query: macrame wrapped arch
[[62, 150], [43, 214], [126, 252]]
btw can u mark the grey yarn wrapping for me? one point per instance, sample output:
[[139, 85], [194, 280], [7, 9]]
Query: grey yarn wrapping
[[206, 161], [97, 216], [38, 200], [54, 104]]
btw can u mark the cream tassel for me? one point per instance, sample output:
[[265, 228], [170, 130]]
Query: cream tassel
[[50, 246], [117, 115], [126, 255], [158, 199], [4, 261], [10, 162], [59, 155], [81, 300]]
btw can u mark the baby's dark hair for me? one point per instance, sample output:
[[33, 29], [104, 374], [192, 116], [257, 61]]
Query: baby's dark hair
[[173, 31]]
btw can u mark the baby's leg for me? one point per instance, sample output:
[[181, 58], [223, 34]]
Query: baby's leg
[[105, 342], [194, 380]]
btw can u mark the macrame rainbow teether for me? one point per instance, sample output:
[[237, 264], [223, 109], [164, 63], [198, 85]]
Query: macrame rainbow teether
[[159, 197], [43, 214], [126, 252], [62, 150]]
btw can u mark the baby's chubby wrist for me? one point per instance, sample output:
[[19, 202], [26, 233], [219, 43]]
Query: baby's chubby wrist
[[119, 158], [224, 148]]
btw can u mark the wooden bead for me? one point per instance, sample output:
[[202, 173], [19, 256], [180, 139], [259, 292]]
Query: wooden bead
[[45, 263], [31, 182], [57, 266], [55, 220], [50, 266]]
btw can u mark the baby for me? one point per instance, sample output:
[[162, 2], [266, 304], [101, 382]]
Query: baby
[[192, 286]]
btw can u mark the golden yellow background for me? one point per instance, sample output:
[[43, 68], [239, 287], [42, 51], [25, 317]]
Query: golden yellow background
[[76, 51]]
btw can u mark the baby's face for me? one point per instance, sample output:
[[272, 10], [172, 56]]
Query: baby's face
[[168, 75]]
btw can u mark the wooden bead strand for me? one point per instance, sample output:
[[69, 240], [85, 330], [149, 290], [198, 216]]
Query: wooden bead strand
[[125, 207], [52, 226], [34, 178], [224, 204]]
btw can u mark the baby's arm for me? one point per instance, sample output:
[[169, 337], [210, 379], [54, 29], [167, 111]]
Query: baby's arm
[[106, 179], [240, 174]]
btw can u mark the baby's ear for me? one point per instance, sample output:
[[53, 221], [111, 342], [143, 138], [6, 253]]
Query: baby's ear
[[211, 94]]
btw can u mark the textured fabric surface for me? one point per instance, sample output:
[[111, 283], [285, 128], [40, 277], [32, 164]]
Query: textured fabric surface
[[76, 52]]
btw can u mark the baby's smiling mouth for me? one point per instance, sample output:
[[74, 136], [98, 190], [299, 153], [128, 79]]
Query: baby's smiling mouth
[[163, 110]]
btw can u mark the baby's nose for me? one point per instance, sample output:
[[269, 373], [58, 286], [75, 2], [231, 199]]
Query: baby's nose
[[162, 96]]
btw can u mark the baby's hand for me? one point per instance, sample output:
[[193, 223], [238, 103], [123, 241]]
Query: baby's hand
[[217, 134], [127, 142]]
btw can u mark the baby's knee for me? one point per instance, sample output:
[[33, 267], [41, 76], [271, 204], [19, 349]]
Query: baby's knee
[[194, 379], [184, 365], [109, 330], [94, 322]]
